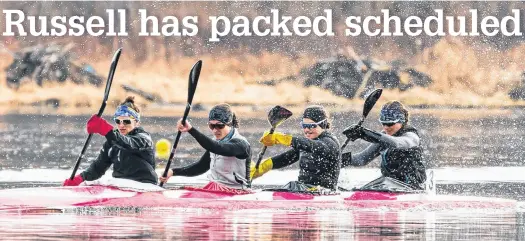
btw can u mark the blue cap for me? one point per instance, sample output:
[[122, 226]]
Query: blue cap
[[392, 115]]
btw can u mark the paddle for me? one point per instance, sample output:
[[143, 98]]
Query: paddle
[[369, 104], [276, 116], [112, 69], [192, 86]]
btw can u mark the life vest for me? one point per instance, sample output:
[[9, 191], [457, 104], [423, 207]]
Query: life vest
[[321, 169], [222, 168], [404, 164]]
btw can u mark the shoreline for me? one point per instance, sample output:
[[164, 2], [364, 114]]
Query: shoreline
[[261, 111]]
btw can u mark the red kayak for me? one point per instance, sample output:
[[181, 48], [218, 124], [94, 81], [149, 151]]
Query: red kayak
[[216, 196]]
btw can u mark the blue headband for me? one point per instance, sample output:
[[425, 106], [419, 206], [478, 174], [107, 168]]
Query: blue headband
[[124, 110], [392, 116]]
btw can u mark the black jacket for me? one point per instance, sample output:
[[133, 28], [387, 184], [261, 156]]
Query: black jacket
[[319, 159], [132, 156]]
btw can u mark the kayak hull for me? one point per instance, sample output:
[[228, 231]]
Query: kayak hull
[[107, 196]]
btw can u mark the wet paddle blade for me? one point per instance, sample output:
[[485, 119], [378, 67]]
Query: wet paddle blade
[[277, 115], [371, 101]]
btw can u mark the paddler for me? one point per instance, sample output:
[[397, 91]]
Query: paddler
[[227, 153], [318, 153], [128, 147], [398, 144]]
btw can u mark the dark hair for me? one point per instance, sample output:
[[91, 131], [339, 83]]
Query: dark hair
[[235, 121], [130, 102], [317, 113], [224, 113], [397, 105]]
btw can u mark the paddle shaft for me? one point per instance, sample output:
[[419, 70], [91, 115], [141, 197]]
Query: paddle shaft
[[112, 69], [77, 164], [86, 144], [172, 154], [192, 86], [261, 154], [369, 104], [348, 139]]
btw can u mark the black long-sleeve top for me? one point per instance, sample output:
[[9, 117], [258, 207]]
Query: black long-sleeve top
[[319, 159]]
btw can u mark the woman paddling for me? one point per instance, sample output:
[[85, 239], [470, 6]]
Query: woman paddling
[[398, 144], [129, 148], [318, 153], [225, 155]]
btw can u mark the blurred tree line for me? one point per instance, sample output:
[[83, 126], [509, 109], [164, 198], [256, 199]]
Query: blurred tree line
[[172, 47]]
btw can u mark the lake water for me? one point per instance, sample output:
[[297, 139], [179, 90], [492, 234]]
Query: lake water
[[481, 155]]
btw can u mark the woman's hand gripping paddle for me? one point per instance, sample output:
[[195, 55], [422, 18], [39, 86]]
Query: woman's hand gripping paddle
[[192, 86], [112, 69], [369, 104], [276, 116]]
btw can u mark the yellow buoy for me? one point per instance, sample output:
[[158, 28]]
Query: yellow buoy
[[162, 149]]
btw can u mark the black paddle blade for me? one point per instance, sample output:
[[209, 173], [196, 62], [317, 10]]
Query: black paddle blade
[[194, 79], [277, 115], [371, 101], [192, 87], [109, 81], [112, 69]]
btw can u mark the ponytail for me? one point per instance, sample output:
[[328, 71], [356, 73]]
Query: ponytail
[[130, 102], [235, 122]]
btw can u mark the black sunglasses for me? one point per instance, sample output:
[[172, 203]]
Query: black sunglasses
[[389, 124], [219, 126], [125, 122]]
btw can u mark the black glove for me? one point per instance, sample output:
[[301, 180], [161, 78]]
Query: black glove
[[354, 132], [371, 135]]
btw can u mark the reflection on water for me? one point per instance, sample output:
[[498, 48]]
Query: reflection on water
[[179, 224]]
